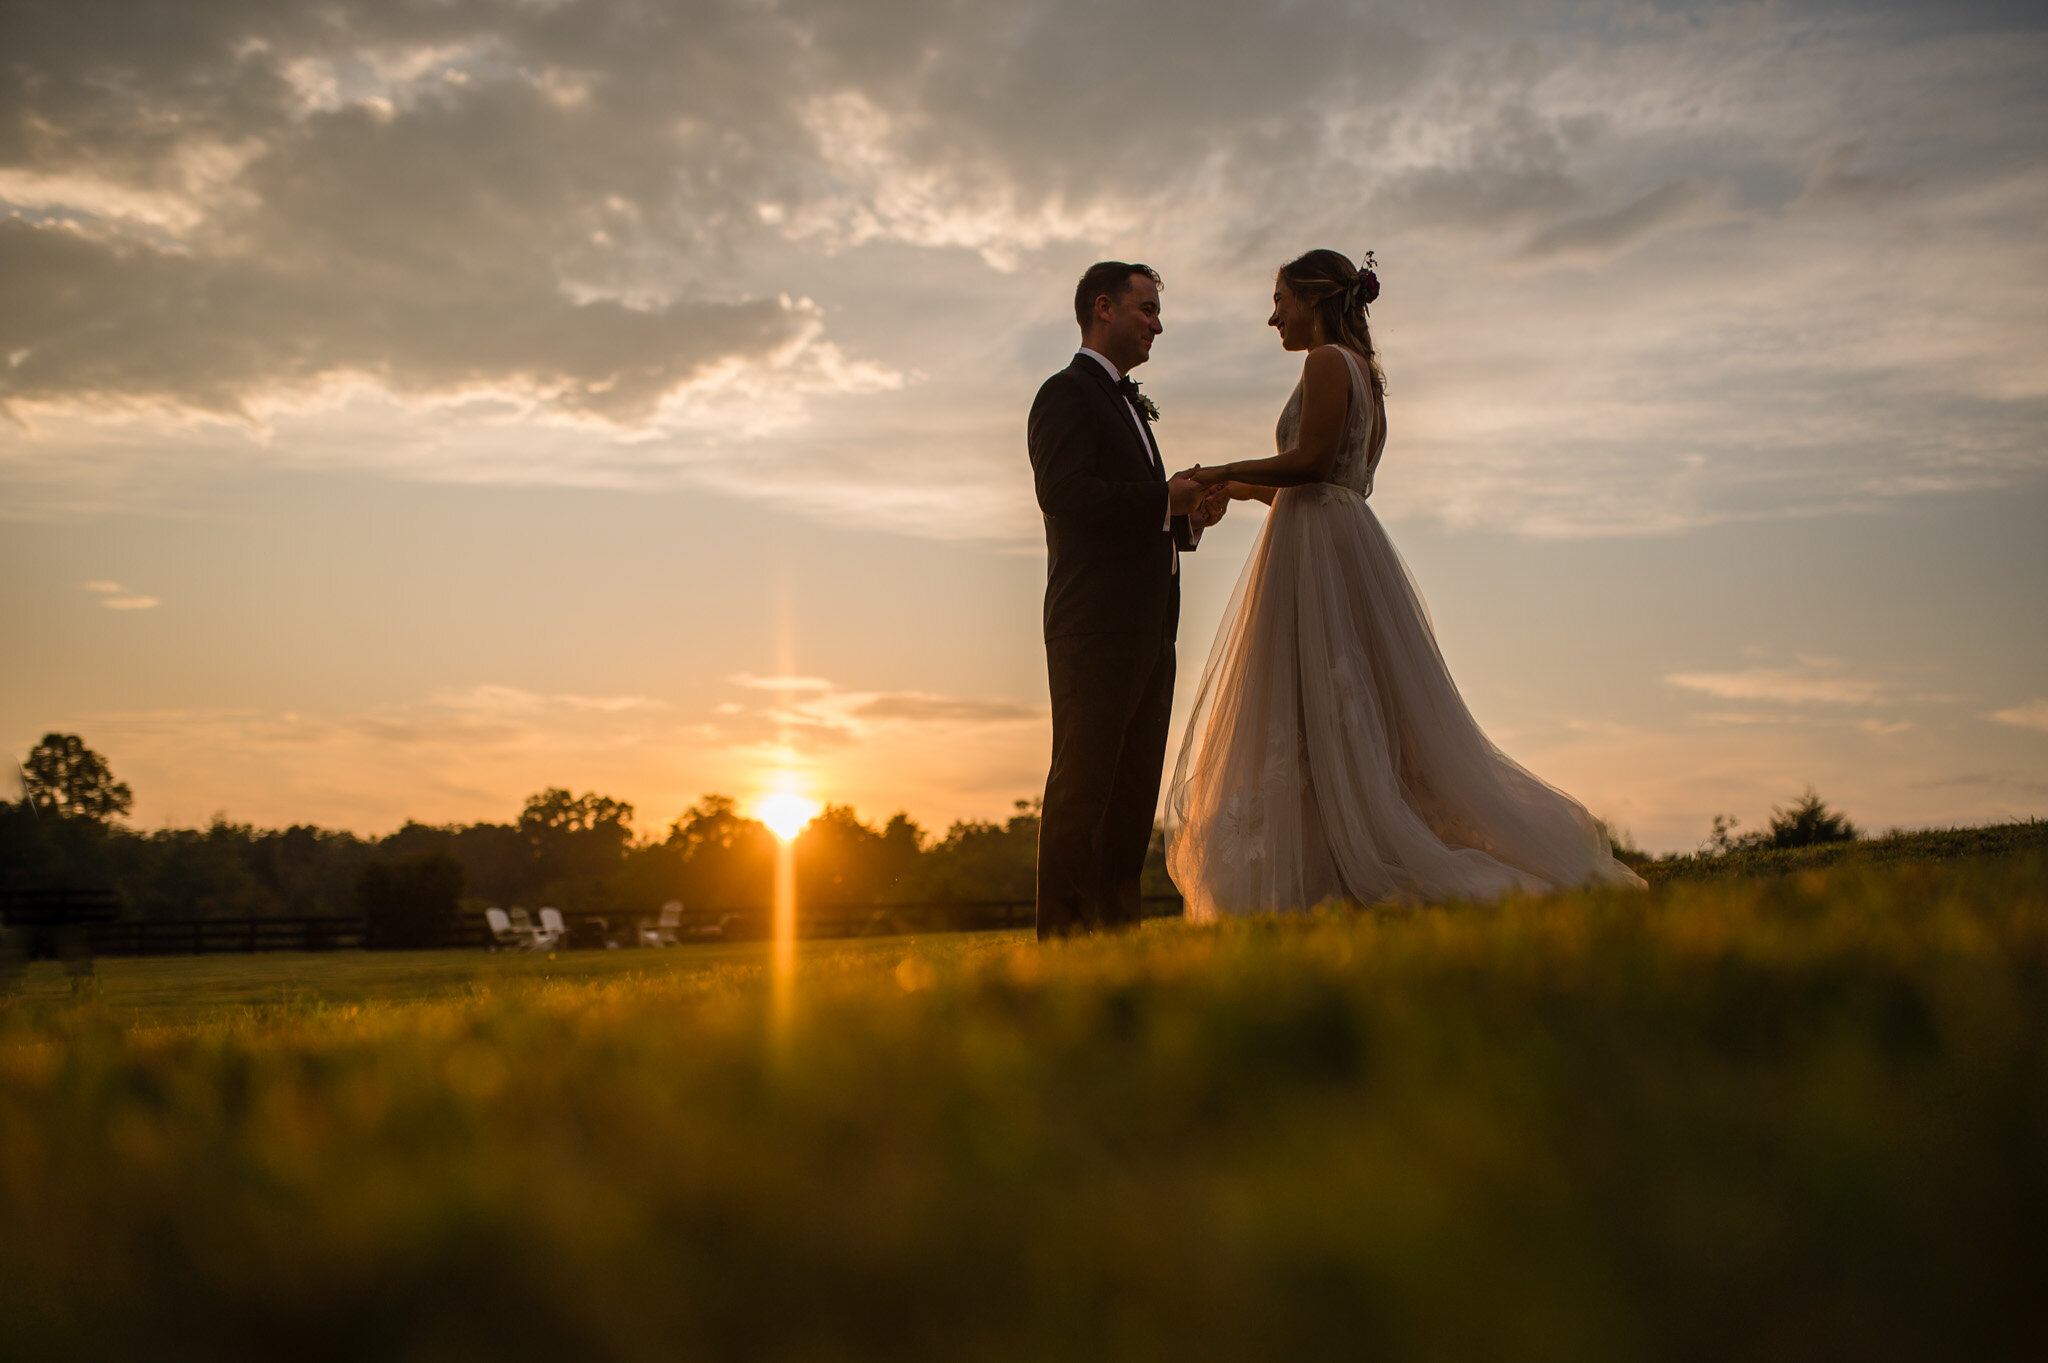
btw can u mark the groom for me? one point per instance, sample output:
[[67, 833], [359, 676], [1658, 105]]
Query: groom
[[1115, 526]]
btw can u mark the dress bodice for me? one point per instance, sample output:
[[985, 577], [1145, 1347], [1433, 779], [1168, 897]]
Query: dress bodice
[[1365, 431]]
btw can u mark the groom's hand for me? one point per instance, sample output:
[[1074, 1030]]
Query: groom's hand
[[1209, 510], [1182, 493]]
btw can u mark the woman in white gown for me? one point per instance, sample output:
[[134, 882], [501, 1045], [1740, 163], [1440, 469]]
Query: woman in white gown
[[1329, 755]]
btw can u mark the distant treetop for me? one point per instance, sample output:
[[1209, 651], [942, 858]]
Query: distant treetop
[[64, 777]]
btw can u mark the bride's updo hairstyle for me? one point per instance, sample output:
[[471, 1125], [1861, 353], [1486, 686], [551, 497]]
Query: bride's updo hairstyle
[[1339, 291]]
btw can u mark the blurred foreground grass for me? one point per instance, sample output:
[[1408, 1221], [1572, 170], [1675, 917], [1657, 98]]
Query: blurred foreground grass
[[1800, 1116]]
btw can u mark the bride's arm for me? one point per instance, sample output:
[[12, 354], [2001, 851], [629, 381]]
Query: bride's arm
[[1325, 395], [1252, 492]]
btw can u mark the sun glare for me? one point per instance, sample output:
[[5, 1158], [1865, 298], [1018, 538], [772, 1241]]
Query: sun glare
[[785, 813]]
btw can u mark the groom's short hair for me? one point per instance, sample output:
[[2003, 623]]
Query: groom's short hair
[[1106, 279]]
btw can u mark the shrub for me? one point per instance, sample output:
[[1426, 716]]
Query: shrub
[[1808, 823]]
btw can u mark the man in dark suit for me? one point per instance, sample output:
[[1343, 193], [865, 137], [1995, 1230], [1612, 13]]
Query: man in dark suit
[[1115, 527]]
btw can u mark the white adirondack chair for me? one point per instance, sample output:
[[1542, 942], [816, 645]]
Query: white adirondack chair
[[552, 933], [522, 923], [662, 933], [506, 935]]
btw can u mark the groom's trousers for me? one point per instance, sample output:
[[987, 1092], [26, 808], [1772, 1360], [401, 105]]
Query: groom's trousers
[[1112, 700]]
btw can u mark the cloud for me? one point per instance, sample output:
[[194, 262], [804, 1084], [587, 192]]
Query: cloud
[[918, 707], [115, 597], [814, 714], [1786, 686], [492, 698], [107, 321], [817, 255], [2032, 714], [438, 204], [783, 683], [1596, 236]]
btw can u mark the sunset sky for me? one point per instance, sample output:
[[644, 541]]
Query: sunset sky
[[408, 406]]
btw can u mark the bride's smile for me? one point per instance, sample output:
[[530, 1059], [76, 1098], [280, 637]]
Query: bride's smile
[[1297, 322]]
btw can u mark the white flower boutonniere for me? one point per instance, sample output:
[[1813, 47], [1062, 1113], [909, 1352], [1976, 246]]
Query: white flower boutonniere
[[1147, 408]]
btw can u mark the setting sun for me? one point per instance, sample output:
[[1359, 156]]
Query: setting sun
[[785, 813]]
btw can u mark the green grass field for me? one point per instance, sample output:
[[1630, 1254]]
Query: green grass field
[[1770, 1111]]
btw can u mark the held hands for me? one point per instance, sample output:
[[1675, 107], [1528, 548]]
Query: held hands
[[1203, 495], [1211, 477]]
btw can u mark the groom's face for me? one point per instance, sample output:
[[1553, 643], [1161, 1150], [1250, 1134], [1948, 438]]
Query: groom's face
[[1130, 323]]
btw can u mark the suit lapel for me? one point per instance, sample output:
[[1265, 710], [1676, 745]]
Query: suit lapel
[[1142, 446]]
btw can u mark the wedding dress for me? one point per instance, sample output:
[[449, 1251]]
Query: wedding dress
[[1329, 755]]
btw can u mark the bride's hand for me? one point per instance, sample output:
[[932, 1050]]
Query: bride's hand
[[1208, 477], [1250, 492]]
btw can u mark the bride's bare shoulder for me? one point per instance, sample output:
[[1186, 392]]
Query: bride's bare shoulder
[[1324, 362]]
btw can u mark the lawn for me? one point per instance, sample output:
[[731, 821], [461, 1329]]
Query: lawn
[[268, 986], [1747, 1114]]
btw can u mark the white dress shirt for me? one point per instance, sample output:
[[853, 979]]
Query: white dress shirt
[[1145, 439]]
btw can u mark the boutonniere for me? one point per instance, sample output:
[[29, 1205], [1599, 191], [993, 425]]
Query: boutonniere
[[1146, 407]]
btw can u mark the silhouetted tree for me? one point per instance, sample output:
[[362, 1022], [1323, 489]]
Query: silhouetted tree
[[194, 872], [410, 901], [575, 843], [65, 778], [574, 851], [977, 860], [495, 863], [307, 871], [1808, 822], [1722, 838], [724, 862], [902, 846], [838, 860]]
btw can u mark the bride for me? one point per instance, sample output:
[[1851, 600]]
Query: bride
[[1329, 755]]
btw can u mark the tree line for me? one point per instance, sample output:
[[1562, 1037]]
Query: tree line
[[578, 853]]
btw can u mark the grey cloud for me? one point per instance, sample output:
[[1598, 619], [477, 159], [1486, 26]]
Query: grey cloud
[[558, 197], [520, 205], [569, 199], [1843, 174], [1598, 235], [1509, 168], [84, 318]]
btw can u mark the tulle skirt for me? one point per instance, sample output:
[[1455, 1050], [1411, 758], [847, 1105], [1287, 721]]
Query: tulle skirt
[[1330, 756]]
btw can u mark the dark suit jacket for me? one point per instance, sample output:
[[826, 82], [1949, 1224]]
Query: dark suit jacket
[[1109, 563]]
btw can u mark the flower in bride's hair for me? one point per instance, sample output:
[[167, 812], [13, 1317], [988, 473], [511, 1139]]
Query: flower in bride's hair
[[1365, 287]]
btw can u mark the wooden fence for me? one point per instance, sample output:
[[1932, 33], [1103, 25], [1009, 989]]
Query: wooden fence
[[206, 936]]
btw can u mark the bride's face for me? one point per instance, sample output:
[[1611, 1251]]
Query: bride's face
[[1296, 321]]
